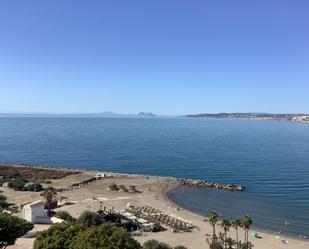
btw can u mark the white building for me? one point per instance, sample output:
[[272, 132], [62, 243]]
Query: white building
[[34, 212], [103, 175]]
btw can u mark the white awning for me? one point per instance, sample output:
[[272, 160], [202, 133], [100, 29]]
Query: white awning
[[141, 220]]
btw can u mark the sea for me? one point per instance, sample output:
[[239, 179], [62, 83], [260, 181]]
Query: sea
[[270, 158]]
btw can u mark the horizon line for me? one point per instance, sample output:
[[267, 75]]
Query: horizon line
[[138, 113]]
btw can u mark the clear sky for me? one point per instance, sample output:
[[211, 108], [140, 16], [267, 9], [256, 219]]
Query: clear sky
[[163, 56]]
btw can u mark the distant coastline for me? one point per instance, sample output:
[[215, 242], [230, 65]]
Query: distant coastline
[[301, 118], [296, 117]]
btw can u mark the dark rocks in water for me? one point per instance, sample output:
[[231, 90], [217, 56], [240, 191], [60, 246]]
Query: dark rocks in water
[[205, 184]]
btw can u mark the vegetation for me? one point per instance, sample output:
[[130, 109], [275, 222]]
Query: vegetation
[[32, 174], [35, 187], [213, 219], [106, 237], [3, 203], [49, 194], [17, 177], [17, 184], [133, 189], [223, 241], [20, 184], [64, 215], [247, 222], [114, 187], [180, 247], [225, 224], [123, 188], [236, 223], [7, 174], [89, 219], [154, 244], [58, 236], [11, 228]]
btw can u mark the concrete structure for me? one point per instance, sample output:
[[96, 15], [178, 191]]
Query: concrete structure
[[34, 212], [100, 175]]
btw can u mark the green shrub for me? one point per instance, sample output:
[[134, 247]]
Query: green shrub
[[90, 219], [154, 244], [12, 227], [123, 188], [114, 187], [58, 236], [104, 237], [64, 215], [180, 247], [36, 187], [11, 173], [2, 198], [17, 184], [3, 203], [133, 189]]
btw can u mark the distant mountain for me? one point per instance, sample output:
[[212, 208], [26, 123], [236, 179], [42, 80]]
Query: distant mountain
[[105, 114], [110, 114], [69, 115], [146, 114]]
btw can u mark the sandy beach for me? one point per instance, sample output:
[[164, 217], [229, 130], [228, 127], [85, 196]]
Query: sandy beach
[[152, 193]]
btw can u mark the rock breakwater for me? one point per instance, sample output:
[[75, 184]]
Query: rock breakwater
[[206, 184]]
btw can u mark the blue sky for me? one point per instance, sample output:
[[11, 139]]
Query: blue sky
[[167, 57]]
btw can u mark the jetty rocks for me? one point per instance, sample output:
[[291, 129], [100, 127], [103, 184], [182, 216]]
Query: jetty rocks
[[205, 184]]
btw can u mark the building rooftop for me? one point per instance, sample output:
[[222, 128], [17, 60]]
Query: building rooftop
[[35, 203]]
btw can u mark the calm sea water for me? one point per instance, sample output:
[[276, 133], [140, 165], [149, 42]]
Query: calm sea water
[[270, 158]]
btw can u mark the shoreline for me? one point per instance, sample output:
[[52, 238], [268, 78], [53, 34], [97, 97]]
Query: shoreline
[[154, 193], [182, 181], [164, 190], [257, 229]]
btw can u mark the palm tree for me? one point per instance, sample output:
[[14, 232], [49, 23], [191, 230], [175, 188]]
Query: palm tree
[[236, 223], [247, 222], [49, 195], [213, 218], [230, 243], [225, 224]]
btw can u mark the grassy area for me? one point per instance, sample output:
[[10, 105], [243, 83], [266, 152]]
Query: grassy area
[[9, 173]]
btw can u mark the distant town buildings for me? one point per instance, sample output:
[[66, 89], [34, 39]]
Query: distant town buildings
[[303, 119]]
